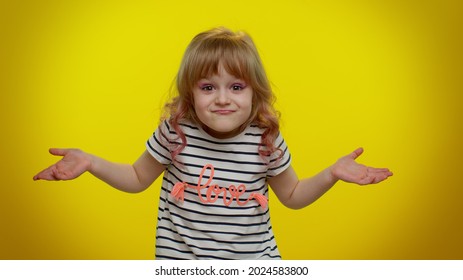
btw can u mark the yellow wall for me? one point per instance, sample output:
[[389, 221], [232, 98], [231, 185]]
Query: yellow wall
[[385, 75]]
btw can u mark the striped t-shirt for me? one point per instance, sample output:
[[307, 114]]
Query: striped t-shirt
[[220, 210]]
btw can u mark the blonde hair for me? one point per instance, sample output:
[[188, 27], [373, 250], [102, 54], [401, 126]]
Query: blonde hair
[[238, 55]]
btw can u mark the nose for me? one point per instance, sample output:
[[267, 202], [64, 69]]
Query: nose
[[222, 97]]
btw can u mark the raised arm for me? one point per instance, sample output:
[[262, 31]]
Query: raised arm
[[295, 193], [125, 177]]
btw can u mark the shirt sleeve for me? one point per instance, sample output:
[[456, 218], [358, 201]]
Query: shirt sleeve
[[280, 160], [159, 144]]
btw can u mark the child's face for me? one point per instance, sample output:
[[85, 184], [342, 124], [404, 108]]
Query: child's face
[[222, 103]]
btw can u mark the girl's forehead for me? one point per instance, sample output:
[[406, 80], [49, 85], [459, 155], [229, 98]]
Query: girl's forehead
[[222, 68], [222, 73]]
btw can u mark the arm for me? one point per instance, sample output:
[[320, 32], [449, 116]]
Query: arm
[[125, 177], [296, 194]]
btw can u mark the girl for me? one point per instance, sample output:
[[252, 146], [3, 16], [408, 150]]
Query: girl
[[220, 148]]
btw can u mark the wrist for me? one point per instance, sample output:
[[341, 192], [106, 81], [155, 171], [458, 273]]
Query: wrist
[[90, 161], [331, 175]]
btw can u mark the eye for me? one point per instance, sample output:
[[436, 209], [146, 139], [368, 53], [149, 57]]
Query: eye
[[206, 87], [238, 87]]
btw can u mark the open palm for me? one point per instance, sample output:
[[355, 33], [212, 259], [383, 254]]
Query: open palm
[[71, 166], [348, 170]]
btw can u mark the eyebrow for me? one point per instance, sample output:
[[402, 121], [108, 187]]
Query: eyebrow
[[234, 78]]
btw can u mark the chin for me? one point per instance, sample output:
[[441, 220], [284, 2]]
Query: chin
[[222, 132]]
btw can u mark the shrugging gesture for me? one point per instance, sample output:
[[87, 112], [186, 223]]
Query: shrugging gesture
[[295, 193], [222, 118]]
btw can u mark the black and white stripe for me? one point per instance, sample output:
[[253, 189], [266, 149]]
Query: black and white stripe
[[195, 230]]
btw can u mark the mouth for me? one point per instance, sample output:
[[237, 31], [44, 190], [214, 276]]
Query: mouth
[[223, 112]]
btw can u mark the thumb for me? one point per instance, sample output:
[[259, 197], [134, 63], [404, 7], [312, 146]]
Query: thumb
[[58, 152], [355, 154]]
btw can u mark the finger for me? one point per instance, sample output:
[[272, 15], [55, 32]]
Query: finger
[[386, 173], [40, 175], [58, 152], [355, 154], [378, 170], [379, 178], [367, 180], [46, 174]]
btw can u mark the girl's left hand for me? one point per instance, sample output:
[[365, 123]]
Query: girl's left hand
[[348, 170]]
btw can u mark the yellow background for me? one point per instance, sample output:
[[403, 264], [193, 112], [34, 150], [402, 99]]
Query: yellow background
[[385, 75]]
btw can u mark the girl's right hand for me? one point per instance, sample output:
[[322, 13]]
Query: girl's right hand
[[72, 165]]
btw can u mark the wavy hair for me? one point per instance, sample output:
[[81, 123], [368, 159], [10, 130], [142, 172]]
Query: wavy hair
[[238, 55]]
